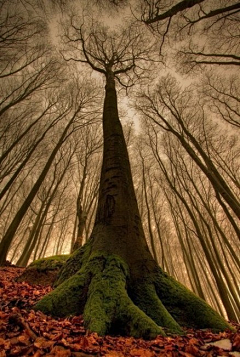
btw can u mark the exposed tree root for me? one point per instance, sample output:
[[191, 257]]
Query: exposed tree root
[[185, 307], [112, 303]]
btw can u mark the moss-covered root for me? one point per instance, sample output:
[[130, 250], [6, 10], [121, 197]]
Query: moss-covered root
[[74, 263], [109, 309], [98, 290], [68, 298], [49, 263], [43, 271], [145, 297], [187, 309]]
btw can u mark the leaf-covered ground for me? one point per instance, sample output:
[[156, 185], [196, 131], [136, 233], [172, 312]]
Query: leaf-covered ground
[[24, 332]]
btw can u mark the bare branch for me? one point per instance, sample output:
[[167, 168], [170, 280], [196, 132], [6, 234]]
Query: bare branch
[[183, 5], [120, 52], [231, 9]]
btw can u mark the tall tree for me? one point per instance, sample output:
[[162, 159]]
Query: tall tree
[[113, 279], [86, 180], [171, 110], [189, 186], [75, 112], [48, 197]]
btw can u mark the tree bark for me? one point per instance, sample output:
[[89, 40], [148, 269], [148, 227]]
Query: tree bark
[[113, 279]]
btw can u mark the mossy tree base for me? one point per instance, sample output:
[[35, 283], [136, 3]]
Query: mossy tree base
[[112, 302], [43, 271]]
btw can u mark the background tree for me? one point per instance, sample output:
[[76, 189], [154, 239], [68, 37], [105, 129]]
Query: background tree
[[88, 160], [161, 116], [49, 193], [80, 100], [216, 23], [167, 101]]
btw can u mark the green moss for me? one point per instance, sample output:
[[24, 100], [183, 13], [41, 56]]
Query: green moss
[[187, 309], [67, 299], [144, 295], [104, 292], [112, 303], [49, 263], [109, 309], [74, 263], [70, 296], [43, 271], [98, 290], [135, 322]]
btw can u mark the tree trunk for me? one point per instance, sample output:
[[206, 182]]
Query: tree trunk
[[10, 233], [81, 215], [113, 279]]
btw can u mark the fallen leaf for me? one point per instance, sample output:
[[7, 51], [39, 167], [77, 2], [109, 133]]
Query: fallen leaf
[[192, 349], [37, 334], [85, 342], [24, 339], [186, 354], [114, 354], [37, 354], [82, 354], [193, 341], [222, 353], [234, 354], [41, 342], [140, 352], [59, 351], [14, 341], [236, 342], [224, 344]]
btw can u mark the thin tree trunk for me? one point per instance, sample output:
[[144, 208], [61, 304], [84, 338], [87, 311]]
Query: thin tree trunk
[[9, 235], [27, 158], [148, 210]]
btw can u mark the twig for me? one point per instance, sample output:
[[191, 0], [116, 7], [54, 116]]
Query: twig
[[19, 320]]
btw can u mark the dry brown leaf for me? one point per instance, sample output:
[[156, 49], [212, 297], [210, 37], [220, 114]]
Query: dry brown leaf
[[186, 354], [114, 354], [141, 352], [236, 342], [68, 337], [224, 344], [37, 354], [24, 339], [59, 351], [192, 349], [41, 342], [193, 341]]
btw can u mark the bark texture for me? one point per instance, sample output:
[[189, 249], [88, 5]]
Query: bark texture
[[113, 279]]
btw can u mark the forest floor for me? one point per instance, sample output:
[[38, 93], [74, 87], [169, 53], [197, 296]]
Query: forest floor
[[24, 332]]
